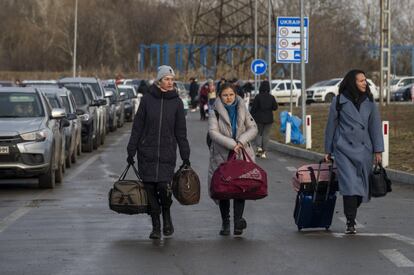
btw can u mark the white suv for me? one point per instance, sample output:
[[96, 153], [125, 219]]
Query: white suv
[[399, 82], [326, 90], [281, 91]]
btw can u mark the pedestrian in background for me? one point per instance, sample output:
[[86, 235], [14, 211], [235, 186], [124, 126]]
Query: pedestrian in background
[[353, 135], [221, 82], [159, 126], [193, 92], [203, 101], [230, 130], [143, 88], [211, 94], [262, 111]]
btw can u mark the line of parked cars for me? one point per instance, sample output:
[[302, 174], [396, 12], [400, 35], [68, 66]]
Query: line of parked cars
[[45, 125]]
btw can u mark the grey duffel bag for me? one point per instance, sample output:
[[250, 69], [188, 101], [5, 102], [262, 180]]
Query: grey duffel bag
[[128, 196]]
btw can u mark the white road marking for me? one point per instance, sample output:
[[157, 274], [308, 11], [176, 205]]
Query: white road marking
[[291, 168], [18, 213], [82, 167], [358, 225], [394, 236], [397, 258]]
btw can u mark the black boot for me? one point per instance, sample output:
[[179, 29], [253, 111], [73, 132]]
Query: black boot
[[168, 228], [156, 227], [225, 228], [239, 225]]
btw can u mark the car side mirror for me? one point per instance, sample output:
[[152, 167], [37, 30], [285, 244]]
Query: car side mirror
[[101, 102], [109, 93], [58, 113], [79, 112], [71, 116], [139, 95]]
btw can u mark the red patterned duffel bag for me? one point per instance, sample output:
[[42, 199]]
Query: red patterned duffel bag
[[239, 179]]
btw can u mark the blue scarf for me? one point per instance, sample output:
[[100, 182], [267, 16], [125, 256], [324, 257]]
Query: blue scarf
[[232, 111]]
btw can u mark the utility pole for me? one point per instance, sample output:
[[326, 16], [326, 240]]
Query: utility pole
[[302, 66], [75, 36], [385, 55], [269, 19], [255, 43]]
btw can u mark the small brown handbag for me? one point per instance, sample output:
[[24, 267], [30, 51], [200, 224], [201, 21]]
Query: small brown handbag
[[186, 186]]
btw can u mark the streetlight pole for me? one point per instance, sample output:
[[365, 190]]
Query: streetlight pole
[[75, 36], [302, 66], [255, 42], [269, 18]]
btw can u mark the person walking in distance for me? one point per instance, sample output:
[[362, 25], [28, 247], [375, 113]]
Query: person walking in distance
[[353, 135], [203, 101], [262, 111], [159, 126], [231, 128], [193, 93]]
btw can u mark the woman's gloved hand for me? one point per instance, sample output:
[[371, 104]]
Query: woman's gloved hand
[[130, 160]]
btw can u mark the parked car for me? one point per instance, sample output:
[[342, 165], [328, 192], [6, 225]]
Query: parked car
[[399, 82], [31, 134], [87, 106], [132, 102], [326, 90], [114, 105], [120, 101], [63, 98], [281, 91], [99, 92], [40, 83], [403, 93]]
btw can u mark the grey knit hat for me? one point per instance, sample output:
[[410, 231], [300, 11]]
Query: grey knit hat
[[164, 71]]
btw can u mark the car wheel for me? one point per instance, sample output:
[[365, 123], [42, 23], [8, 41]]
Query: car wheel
[[68, 160], [97, 141], [329, 98], [79, 148], [89, 144], [103, 137], [47, 180], [59, 173], [73, 158]]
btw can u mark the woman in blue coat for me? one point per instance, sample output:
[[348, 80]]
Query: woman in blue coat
[[353, 135]]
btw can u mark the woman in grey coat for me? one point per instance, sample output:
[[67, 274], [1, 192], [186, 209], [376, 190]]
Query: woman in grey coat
[[353, 135], [231, 128]]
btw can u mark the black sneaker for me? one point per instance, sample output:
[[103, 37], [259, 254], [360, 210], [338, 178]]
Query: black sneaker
[[350, 228]]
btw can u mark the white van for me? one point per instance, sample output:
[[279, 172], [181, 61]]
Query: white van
[[281, 91]]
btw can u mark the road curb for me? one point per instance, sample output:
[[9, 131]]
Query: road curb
[[394, 175]]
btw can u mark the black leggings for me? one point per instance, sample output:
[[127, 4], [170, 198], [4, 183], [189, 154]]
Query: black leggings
[[238, 208], [351, 204], [159, 195]]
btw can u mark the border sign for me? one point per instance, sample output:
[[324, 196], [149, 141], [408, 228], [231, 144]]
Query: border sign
[[258, 66], [288, 40]]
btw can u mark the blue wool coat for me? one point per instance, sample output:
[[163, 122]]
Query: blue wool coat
[[353, 140]]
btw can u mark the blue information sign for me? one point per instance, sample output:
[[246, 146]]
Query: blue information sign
[[258, 66]]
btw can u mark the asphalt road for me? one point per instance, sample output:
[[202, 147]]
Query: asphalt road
[[70, 229]]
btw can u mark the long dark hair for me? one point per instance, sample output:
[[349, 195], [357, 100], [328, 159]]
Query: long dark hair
[[349, 84]]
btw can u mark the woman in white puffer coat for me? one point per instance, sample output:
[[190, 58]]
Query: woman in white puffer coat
[[231, 128]]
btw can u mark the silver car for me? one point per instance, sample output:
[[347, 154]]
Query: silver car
[[62, 98], [102, 109], [30, 135]]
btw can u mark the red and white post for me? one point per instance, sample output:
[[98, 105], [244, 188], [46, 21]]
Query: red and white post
[[288, 130], [308, 132], [385, 134]]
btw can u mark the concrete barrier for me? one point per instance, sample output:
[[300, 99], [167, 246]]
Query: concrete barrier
[[395, 176]]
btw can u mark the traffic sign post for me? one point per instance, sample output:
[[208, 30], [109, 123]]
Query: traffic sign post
[[288, 40], [258, 66]]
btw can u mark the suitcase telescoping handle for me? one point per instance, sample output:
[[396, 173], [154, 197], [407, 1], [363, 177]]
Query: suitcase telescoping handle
[[316, 180], [123, 175]]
